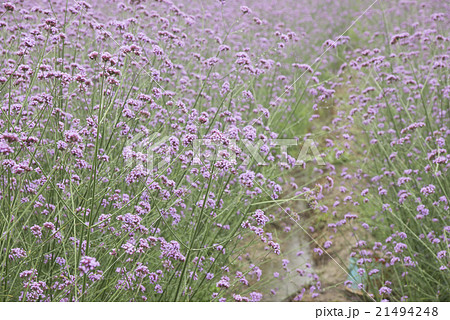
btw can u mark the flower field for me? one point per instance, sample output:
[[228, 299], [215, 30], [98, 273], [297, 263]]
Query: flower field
[[221, 150]]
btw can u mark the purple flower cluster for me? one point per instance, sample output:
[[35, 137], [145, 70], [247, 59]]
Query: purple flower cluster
[[88, 264]]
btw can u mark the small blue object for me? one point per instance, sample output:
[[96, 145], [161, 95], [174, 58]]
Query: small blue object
[[354, 276]]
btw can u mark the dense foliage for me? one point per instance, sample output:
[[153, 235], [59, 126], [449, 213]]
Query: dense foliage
[[140, 146]]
